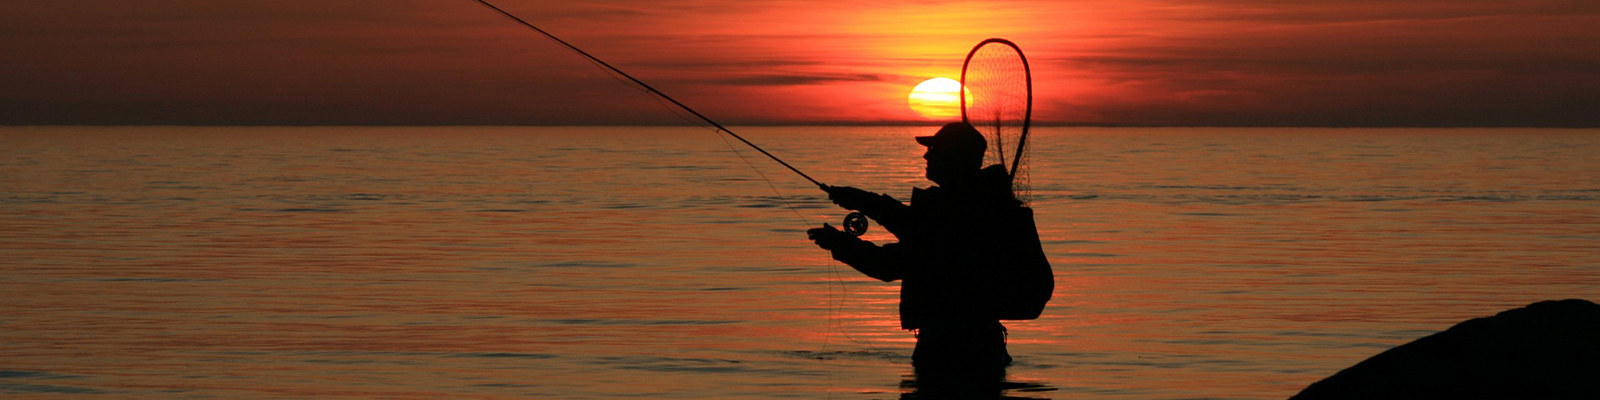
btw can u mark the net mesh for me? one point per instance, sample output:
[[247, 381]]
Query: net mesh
[[998, 102]]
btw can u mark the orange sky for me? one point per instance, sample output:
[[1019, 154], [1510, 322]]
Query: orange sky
[[1096, 62]]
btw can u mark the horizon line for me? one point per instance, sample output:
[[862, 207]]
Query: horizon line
[[816, 124]]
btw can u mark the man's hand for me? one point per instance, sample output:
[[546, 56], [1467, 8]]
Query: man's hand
[[830, 238], [850, 198]]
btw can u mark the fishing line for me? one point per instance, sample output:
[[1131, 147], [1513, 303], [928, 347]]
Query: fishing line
[[637, 84], [835, 305]]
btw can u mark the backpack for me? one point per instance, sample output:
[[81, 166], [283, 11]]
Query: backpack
[[1025, 279]]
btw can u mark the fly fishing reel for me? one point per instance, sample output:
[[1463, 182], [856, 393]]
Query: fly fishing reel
[[855, 224]]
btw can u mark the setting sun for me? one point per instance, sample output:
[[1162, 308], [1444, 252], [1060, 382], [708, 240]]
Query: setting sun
[[936, 98]]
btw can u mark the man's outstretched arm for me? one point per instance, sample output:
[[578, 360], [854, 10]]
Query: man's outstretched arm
[[882, 263]]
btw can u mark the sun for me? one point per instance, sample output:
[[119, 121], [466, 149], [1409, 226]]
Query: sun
[[936, 98]]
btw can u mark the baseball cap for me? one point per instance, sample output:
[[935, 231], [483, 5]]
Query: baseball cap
[[956, 136]]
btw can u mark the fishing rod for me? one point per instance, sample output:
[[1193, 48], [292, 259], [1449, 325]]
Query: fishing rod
[[855, 223], [651, 89]]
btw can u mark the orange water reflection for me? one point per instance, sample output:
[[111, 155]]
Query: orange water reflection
[[594, 263]]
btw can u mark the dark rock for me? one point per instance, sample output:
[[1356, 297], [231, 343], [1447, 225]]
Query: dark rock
[[1547, 350]]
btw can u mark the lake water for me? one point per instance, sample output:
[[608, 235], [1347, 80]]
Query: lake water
[[611, 262]]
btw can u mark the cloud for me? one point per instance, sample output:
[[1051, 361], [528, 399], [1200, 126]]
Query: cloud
[[1114, 62], [787, 80]]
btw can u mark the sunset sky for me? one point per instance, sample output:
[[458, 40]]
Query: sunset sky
[[1096, 62]]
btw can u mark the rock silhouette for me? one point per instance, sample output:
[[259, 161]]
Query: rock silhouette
[[1547, 350]]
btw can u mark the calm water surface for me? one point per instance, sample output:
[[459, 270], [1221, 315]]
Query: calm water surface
[[583, 263]]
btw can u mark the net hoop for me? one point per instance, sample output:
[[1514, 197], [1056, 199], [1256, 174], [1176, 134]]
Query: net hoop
[[1027, 119]]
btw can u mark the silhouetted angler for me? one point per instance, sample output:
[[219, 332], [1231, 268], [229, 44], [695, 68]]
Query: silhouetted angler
[[968, 255]]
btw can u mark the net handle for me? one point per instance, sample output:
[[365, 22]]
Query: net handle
[[1027, 116]]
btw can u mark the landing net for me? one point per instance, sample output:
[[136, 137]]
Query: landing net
[[997, 98]]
